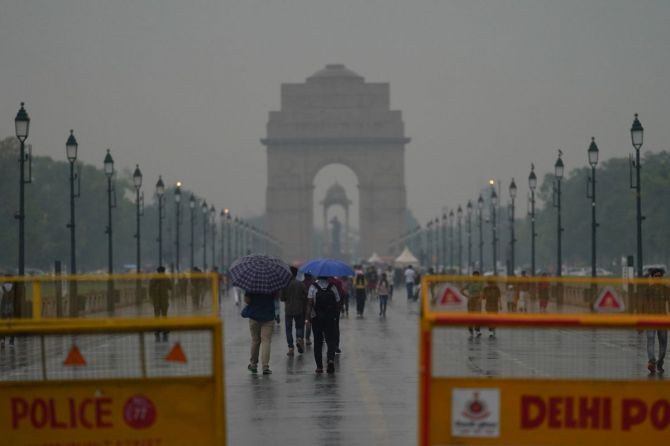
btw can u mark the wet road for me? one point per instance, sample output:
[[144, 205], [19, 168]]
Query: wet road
[[370, 400]]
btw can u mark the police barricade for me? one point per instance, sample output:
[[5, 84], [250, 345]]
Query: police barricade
[[520, 361], [103, 296], [112, 382]]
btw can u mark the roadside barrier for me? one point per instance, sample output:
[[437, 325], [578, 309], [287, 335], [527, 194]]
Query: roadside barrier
[[117, 295], [112, 382], [564, 373]]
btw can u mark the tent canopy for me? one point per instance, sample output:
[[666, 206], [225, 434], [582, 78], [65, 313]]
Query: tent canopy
[[406, 258], [374, 258]]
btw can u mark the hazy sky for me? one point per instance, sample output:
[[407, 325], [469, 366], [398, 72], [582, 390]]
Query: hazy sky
[[486, 87]]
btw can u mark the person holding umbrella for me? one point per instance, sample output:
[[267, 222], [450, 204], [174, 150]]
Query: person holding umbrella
[[261, 277]]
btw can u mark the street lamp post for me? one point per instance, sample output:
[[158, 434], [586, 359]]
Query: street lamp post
[[480, 208], [591, 193], [22, 125], [451, 238], [558, 173], [160, 191], [222, 252], [177, 240], [191, 205], [636, 136], [205, 210], [444, 241], [71, 148], [459, 214], [111, 203], [236, 235], [139, 201], [429, 242], [212, 221], [436, 242], [229, 239], [532, 184], [512, 238], [468, 209], [494, 229]]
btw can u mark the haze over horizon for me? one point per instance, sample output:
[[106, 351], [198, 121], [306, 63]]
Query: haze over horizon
[[485, 88]]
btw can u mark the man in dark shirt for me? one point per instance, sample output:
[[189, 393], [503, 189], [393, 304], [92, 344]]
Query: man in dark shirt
[[294, 297]]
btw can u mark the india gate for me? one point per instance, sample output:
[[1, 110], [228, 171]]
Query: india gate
[[335, 117]]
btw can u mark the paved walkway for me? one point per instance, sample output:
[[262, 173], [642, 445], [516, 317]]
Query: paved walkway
[[370, 400]]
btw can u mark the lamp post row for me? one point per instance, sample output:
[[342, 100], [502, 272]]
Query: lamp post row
[[637, 134]]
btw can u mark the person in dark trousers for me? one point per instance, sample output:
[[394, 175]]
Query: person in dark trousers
[[307, 281], [360, 285], [197, 289], [347, 288], [656, 301], [159, 292], [473, 292], [383, 291], [294, 297], [339, 284], [323, 306], [7, 304], [492, 302]]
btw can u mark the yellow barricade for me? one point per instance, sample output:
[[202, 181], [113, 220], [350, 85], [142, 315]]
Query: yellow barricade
[[112, 382], [557, 374], [116, 295]]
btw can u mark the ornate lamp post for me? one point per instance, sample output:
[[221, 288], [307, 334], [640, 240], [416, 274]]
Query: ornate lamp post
[[558, 174], [191, 205], [160, 191], [205, 210], [451, 238], [480, 209], [212, 222], [444, 241], [591, 193], [236, 236], [429, 243], [636, 136], [532, 184], [222, 252], [111, 203], [512, 238], [459, 214], [468, 211], [436, 242], [22, 125], [139, 203], [494, 229], [177, 208], [71, 148], [229, 239]]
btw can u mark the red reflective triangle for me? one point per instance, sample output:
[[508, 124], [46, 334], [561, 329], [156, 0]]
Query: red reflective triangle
[[177, 354], [74, 357], [451, 297], [608, 300]]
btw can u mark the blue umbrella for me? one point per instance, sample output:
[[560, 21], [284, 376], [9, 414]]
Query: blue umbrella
[[257, 273], [327, 268]]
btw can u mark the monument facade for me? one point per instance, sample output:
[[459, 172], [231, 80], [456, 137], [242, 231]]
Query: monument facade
[[335, 117]]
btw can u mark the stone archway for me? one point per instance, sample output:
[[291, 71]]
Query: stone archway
[[335, 117]]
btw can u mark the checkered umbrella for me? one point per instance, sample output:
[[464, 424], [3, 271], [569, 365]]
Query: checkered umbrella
[[257, 273]]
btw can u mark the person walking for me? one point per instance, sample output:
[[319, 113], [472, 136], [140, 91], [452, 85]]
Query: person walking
[[360, 285], [347, 287], [260, 309], [492, 302], [383, 291], [307, 281], [339, 284], [7, 304], [410, 280], [197, 289], [159, 292], [323, 307], [657, 299], [294, 297], [473, 292]]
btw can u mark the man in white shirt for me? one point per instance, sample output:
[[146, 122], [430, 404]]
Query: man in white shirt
[[410, 278]]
